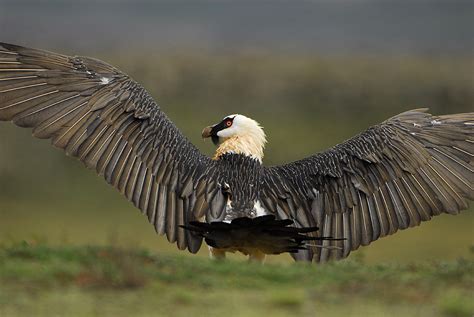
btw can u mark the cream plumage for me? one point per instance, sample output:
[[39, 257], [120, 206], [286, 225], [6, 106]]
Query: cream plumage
[[392, 176], [245, 136]]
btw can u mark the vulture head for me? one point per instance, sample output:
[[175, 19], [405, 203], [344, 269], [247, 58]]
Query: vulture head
[[238, 134]]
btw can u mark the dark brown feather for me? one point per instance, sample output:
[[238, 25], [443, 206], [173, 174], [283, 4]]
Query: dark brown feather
[[391, 177], [98, 114]]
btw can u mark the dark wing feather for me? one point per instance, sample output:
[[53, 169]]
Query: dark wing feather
[[100, 115], [393, 176]]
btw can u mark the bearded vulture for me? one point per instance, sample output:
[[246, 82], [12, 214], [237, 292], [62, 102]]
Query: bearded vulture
[[392, 176]]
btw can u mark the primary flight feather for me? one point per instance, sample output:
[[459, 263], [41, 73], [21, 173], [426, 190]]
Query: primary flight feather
[[392, 176]]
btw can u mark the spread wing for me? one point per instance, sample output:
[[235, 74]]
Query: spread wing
[[392, 176], [96, 113]]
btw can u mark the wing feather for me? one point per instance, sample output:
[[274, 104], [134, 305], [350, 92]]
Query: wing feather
[[393, 176], [101, 116]]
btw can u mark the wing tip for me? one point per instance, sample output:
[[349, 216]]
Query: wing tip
[[11, 47]]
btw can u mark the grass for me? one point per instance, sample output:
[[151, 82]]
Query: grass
[[42, 280]]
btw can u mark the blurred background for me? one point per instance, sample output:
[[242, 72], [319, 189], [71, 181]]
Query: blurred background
[[313, 73]]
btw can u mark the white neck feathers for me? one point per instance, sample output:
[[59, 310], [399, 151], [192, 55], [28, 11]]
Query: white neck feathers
[[244, 137]]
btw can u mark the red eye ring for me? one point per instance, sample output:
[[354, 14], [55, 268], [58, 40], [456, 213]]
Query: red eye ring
[[228, 123]]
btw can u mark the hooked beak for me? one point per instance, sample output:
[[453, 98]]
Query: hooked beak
[[209, 132], [206, 133]]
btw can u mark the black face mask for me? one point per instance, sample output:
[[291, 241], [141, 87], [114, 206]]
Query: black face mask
[[215, 139], [218, 127]]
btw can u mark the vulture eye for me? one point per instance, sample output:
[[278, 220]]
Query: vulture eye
[[228, 123]]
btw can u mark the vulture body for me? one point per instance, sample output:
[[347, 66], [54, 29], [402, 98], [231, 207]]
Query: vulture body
[[392, 176]]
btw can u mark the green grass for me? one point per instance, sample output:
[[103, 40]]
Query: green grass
[[104, 281]]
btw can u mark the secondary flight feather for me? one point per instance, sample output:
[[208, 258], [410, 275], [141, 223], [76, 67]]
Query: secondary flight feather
[[392, 176]]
